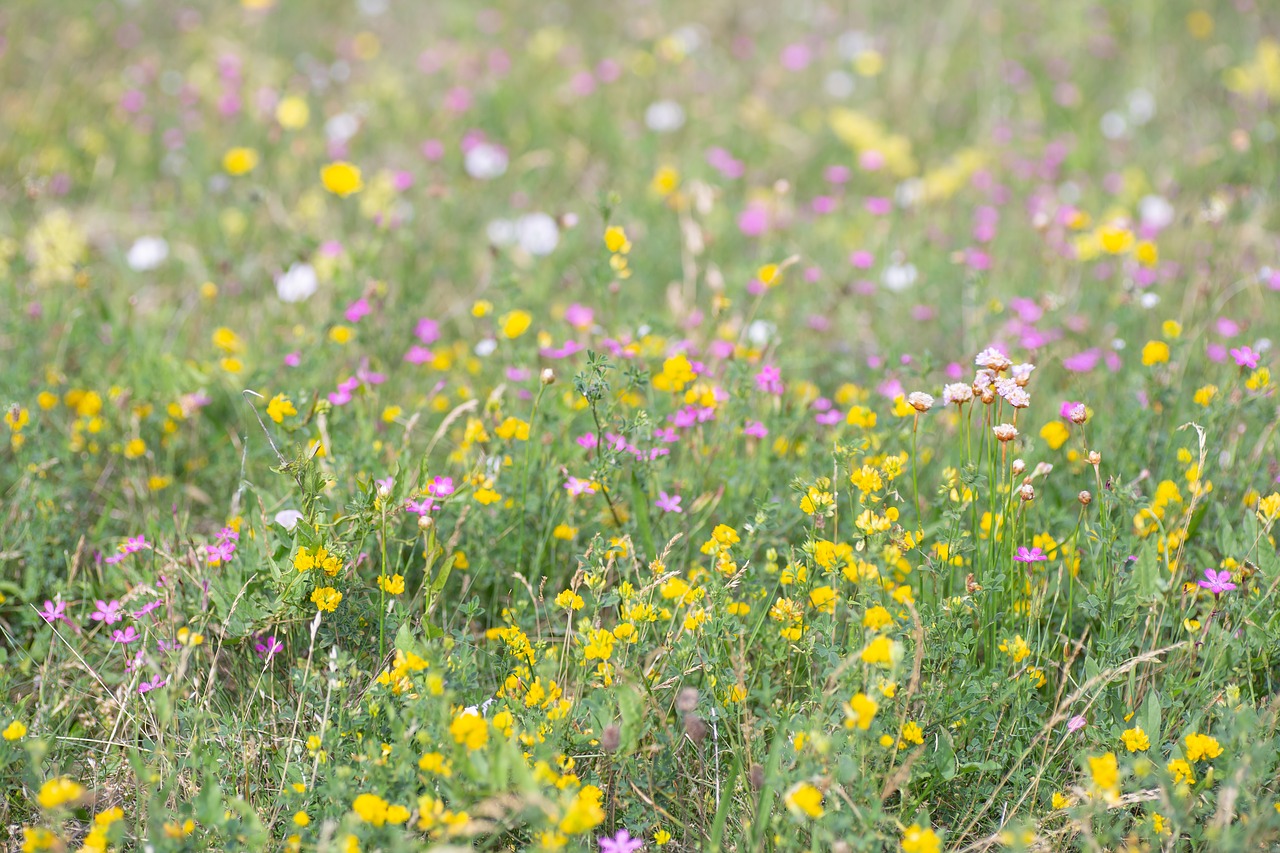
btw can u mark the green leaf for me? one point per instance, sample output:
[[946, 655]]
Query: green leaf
[[1151, 716]]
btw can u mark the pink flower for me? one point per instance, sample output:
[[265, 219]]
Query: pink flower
[[1217, 582], [1035, 555], [441, 487], [107, 612], [755, 429], [54, 611], [1076, 723], [268, 647], [769, 380], [125, 637], [575, 486], [1245, 357], [148, 686], [668, 503], [356, 310], [620, 843]]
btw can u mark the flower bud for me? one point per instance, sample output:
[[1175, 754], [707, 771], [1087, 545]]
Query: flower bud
[[1095, 458], [695, 728], [548, 376], [1018, 467], [1027, 492], [425, 523], [611, 739], [1085, 498]]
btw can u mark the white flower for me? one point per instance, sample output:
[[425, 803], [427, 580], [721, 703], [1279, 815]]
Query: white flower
[[957, 393], [147, 253], [537, 233], [298, 284], [1156, 211], [992, 359], [760, 332], [664, 116], [341, 127], [920, 401], [1005, 432], [898, 277], [485, 161], [501, 232], [288, 518], [1022, 373], [485, 347]]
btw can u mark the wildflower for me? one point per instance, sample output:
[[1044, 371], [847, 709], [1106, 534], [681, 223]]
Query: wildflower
[[58, 792], [1155, 352], [1200, 747], [1135, 739], [371, 809], [958, 393], [920, 401], [668, 503], [298, 283], [1245, 357], [804, 800], [860, 711], [876, 618], [240, 161], [615, 240], [125, 637], [1217, 582], [14, 731], [1076, 723], [620, 843], [393, 585], [916, 839], [341, 178], [1016, 648], [1181, 771], [326, 599], [585, 812], [1059, 801], [107, 612], [1105, 773], [1055, 434], [292, 113], [911, 733], [515, 323], [1034, 555], [470, 729], [662, 838], [1005, 432], [279, 408]]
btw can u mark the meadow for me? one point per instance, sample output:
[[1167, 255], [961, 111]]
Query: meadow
[[818, 426]]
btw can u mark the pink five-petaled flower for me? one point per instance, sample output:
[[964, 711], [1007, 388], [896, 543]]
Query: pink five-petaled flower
[[1245, 357], [268, 647], [1034, 555], [620, 843], [574, 486], [107, 612], [1217, 582], [668, 503], [54, 611], [220, 552], [440, 487], [148, 686], [1076, 723], [755, 429], [128, 635]]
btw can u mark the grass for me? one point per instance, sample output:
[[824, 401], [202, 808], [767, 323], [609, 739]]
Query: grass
[[524, 428]]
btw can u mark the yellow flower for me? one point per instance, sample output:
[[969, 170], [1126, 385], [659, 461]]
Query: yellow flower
[[912, 733], [341, 178], [1155, 352], [1136, 740], [768, 275], [301, 818], [293, 113], [564, 532], [860, 711], [1204, 395], [661, 838], [513, 428], [1200, 747], [515, 323], [918, 840], [471, 729], [393, 585], [1055, 434], [1115, 240], [59, 792], [1016, 648], [135, 448], [1105, 773], [326, 598], [585, 813], [615, 240], [879, 652], [370, 808], [279, 408], [240, 161], [1181, 771], [824, 599], [665, 181], [1059, 800], [804, 800], [14, 730]]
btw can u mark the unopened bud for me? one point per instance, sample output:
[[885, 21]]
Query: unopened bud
[[384, 492], [1018, 467], [1095, 458], [1027, 492], [1085, 498], [610, 739], [425, 523], [548, 376]]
